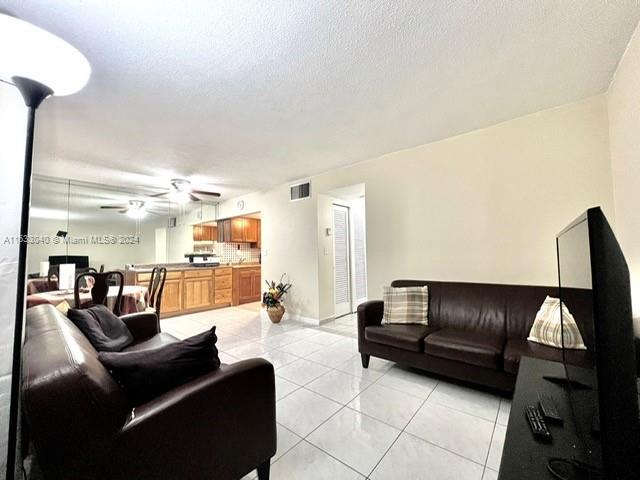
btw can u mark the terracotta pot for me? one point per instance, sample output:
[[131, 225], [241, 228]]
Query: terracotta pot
[[275, 313]]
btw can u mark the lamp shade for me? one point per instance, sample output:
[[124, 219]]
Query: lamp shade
[[44, 269], [31, 52]]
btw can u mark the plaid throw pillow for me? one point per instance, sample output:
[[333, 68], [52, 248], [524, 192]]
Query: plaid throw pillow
[[547, 328], [406, 305]]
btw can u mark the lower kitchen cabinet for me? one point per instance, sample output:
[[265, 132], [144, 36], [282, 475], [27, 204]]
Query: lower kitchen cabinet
[[198, 293], [246, 284], [171, 297], [197, 289], [223, 279]]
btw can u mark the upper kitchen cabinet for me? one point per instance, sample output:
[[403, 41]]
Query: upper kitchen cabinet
[[250, 226], [239, 230], [224, 230], [205, 233]]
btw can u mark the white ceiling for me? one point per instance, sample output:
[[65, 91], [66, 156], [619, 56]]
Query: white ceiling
[[244, 95]]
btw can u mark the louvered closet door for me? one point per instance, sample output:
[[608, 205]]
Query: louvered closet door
[[341, 260]]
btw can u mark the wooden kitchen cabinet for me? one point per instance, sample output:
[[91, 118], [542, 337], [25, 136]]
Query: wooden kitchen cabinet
[[224, 230], [191, 289], [198, 289], [256, 284], [250, 227], [171, 296], [247, 285], [239, 230], [205, 233], [223, 279]]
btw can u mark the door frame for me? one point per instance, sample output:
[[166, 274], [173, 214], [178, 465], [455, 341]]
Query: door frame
[[349, 304]]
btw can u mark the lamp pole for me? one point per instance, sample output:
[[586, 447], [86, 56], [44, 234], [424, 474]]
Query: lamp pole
[[33, 94]]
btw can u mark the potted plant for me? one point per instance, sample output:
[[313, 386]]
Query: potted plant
[[272, 299]]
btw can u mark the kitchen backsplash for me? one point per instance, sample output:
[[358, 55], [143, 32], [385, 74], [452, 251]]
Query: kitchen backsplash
[[230, 253]]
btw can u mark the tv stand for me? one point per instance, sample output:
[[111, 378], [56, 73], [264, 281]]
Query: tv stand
[[564, 469], [563, 381], [524, 457]]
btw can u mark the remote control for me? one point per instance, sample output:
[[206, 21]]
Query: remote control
[[537, 424], [549, 408]]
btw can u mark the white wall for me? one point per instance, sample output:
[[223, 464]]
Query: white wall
[[484, 206], [112, 256], [624, 131], [13, 120]]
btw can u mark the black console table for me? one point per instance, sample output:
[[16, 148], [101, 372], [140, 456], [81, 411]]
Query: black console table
[[524, 457]]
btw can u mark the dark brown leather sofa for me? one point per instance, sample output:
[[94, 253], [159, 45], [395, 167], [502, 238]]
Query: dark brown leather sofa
[[220, 426], [477, 332]]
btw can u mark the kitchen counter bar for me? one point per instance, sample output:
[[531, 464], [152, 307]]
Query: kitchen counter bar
[[190, 289], [187, 266]]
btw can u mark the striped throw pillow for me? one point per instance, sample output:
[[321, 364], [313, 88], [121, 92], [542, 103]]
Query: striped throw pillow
[[406, 305], [548, 330]]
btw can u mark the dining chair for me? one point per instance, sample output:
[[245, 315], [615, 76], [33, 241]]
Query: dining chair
[[54, 271], [100, 289], [156, 287], [82, 272]]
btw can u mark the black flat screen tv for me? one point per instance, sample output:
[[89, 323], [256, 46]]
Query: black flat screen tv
[[595, 289], [81, 261]]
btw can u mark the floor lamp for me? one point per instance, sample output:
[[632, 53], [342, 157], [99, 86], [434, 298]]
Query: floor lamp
[[39, 64]]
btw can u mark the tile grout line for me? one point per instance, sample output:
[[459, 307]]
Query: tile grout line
[[495, 425], [343, 405], [403, 429]]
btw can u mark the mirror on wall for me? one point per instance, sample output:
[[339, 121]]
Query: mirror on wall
[[112, 225]]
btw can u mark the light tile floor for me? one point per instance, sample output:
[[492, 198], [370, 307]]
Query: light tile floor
[[338, 421]]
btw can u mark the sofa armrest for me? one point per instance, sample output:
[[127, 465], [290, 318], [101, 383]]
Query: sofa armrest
[[221, 425], [142, 325], [369, 313]]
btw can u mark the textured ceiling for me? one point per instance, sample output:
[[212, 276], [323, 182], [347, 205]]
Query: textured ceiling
[[245, 95]]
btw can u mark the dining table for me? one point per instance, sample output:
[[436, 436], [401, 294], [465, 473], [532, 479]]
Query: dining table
[[135, 298], [41, 284]]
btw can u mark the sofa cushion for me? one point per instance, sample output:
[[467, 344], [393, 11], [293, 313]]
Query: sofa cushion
[[407, 337], [105, 331], [406, 305], [552, 330], [474, 347], [157, 341], [516, 348], [145, 374]]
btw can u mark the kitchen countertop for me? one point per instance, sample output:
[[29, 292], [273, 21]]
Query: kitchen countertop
[[189, 266]]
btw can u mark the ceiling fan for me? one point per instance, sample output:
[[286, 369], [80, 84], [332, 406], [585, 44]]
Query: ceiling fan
[[182, 191], [134, 209]]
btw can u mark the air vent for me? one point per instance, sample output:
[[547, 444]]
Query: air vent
[[172, 222], [300, 191]]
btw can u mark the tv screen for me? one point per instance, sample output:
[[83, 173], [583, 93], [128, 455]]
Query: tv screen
[[594, 289], [81, 261]]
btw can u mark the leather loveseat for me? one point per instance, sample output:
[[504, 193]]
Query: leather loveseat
[[476, 332], [221, 425]]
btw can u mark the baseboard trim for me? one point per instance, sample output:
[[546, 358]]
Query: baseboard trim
[[328, 319], [302, 319]]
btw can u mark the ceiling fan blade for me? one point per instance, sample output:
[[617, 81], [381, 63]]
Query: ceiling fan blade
[[157, 194], [194, 198], [112, 206], [204, 192], [123, 211]]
